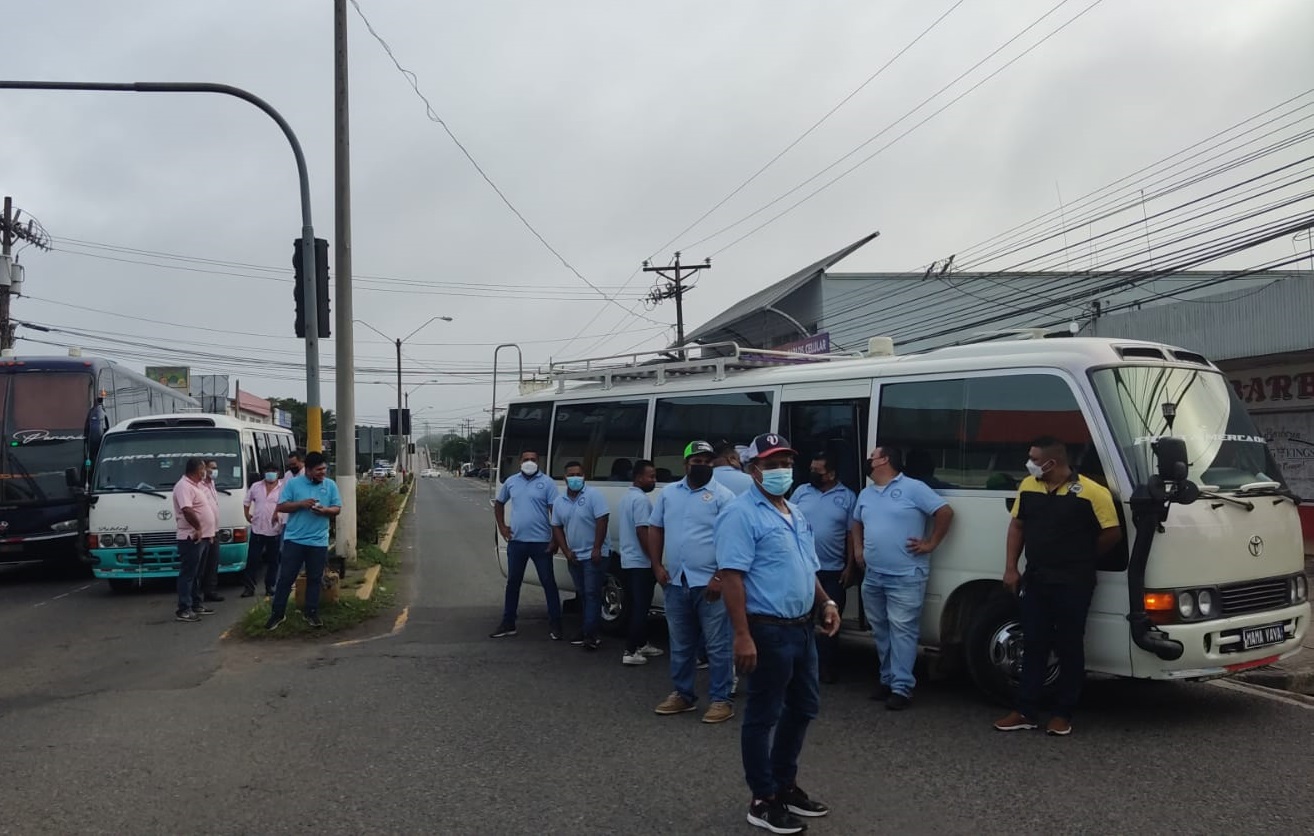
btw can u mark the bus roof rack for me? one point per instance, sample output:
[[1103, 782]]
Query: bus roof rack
[[718, 358]]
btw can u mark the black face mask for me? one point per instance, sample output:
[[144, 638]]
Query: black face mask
[[649, 488], [699, 475], [816, 480], [296, 471]]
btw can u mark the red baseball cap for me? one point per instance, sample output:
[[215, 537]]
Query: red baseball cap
[[768, 444]]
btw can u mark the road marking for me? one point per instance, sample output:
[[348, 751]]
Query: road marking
[[1284, 697], [397, 627], [62, 595]]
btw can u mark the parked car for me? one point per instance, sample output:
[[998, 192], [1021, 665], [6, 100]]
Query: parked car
[[379, 473]]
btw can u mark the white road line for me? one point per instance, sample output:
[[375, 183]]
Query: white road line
[[1298, 700]]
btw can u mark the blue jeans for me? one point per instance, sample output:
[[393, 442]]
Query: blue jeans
[[639, 587], [782, 692], [314, 558], [189, 565], [518, 555], [687, 614], [1053, 619], [894, 610], [588, 576]]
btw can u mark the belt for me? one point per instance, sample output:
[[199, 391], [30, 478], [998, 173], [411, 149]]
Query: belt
[[801, 621]]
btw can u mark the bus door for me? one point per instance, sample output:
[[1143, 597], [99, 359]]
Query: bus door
[[830, 418]]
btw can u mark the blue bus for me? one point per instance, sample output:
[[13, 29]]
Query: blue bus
[[53, 413]]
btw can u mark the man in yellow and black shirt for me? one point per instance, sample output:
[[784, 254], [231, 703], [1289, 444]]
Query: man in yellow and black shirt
[[1065, 522]]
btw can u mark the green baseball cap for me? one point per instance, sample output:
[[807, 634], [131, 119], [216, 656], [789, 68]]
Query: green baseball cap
[[698, 447]]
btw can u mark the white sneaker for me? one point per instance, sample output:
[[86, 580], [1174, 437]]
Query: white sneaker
[[649, 650], [635, 658]]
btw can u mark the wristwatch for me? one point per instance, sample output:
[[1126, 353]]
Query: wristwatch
[[829, 603]]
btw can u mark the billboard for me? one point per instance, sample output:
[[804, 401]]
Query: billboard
[[175, 377], [283, 418]]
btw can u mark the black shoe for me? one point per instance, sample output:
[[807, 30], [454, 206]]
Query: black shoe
[[798, 803], [555, 633], [503, 631], [274, 621], [186, 615], [213, 598], [771, 815], [201, 609], [593, 643], [898, 702], [578, 641], [248, 593], [881, 693], [314, 621]]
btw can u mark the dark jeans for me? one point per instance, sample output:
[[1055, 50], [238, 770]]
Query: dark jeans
[[639, 587], [189, 561], [208, 575], [828, 646], [518, 555], [588, 577], [1053, 619], [294, 556], [261, 558], [782, 693]]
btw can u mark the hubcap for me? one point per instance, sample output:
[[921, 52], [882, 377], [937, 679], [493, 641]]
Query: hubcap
[[613, 598], [1006, 654]]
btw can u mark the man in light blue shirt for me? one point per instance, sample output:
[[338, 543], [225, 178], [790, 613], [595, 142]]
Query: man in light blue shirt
[[641, 571], [767, 555], [727, 469], [827, 504], [310, 501], [528, 537], [681, 529], [579, 523], [890, 540]]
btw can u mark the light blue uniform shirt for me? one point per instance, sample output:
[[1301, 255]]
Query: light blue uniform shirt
[[889, 516], [634, 511], [531, 499], [688, 517], [305, 526], [577, 517], [736, 480], [830, 514], [777, 556]]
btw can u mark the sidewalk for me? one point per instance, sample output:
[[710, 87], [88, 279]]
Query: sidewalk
[[1294, 674]]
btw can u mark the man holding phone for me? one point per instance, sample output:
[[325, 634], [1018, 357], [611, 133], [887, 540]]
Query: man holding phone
[[310, 501]]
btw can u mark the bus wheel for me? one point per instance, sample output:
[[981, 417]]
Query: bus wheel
[[121, 586], [615, 602], [993, 650]]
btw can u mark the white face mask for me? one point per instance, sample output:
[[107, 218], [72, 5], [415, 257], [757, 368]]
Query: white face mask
[[1035, 469], [529, 468]]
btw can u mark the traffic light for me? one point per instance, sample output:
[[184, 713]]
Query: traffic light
[[399, 428], [321, 287]]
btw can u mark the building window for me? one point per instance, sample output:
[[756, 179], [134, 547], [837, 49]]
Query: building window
[[731, 416]]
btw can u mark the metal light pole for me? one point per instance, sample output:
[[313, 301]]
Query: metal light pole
[[344, 348], [401, 448], [314, 409]]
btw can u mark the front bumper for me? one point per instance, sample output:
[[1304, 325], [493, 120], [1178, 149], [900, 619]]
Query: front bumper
[[1213, 649], [157, 561]]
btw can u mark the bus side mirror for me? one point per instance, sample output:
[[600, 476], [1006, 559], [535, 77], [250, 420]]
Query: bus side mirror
[[1170, 454]]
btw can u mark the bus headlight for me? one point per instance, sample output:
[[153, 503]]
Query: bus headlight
[[1204, 600], [1299, 589], [1186, 605], [120, 541], [107, 541], [66, 525], [225, 535]]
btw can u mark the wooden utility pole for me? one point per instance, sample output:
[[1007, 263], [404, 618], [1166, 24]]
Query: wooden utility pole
[[675, 289], [6, 327]]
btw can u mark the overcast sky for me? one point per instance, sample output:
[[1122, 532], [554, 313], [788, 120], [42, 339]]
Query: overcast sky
[[610, 125]]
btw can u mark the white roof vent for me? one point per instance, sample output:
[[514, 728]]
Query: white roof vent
[[74, 352], [880, 347]]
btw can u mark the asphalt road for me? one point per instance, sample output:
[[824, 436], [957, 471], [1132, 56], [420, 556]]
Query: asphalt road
[[115, 719]]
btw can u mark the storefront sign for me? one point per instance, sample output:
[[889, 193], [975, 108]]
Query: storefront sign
[[816, 344], [1275, 387]]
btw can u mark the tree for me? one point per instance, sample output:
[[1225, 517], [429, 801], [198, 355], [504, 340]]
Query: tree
[[297, 409]]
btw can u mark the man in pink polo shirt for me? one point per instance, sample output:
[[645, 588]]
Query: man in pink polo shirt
[[197, 522]]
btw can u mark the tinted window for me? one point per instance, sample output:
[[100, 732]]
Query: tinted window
[[43, 433], [835, 428], [156, 459], [604, 437], [732, 416], [526, 428], [264, 456]]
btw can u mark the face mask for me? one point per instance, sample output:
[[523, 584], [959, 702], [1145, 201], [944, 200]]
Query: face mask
[[529, 468], [648, 488], [777, 482], [1035, 469], [271, 477], [816, 480], [295, 469], [213, 473], [575, 483], [699, 474]]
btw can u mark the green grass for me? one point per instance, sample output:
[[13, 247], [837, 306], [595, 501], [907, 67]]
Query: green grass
[[369, 554], [348, 612]]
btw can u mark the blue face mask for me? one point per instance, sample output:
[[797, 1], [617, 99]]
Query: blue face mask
[[575, 483], [271, 476], [777, 482]]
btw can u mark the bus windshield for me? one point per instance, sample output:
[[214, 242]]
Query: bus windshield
[[154, 460], [44, 416], [1224, 447]]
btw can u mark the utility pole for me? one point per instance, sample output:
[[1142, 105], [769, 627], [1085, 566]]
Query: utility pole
[[675, 289], [6, 327], [401, 450], [344, 347]]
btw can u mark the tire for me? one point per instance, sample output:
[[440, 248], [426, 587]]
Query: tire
[[993, 650], [615, 601], [121, 586]]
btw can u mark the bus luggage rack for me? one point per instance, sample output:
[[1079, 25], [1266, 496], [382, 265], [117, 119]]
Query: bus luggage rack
[[718, 358]]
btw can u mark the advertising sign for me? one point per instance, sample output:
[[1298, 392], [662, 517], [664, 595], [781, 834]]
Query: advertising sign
[[175, 377]]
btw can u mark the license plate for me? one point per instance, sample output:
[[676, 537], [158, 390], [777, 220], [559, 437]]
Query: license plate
[[1252, 637]]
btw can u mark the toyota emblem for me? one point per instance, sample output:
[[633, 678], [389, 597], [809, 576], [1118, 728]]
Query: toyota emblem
[[165, 514], [1256, 545]]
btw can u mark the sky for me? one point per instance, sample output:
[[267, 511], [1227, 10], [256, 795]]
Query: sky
[[611, 127]]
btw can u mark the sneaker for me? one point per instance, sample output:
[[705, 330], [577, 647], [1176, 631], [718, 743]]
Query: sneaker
[[503, 631], [650, 651], [898, 702], [314, 621], [202, 610], [578, 640], [1058, 727], [1015, 721], [186, 615], [771, 815], [797, 802], [592, 643], [881, 693], [635, 658], [555, 633], [674, 704], [274, 621], [719, 712]]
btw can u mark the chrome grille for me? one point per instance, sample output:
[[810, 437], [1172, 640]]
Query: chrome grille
[[154, 538], [1255, 596]]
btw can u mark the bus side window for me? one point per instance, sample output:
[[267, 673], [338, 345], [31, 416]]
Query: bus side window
[[253, 473], [603, 437], [262, 453], [837, 428], [737, 417], [526, 427]]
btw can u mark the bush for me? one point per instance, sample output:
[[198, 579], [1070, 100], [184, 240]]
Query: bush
[[376, 504]]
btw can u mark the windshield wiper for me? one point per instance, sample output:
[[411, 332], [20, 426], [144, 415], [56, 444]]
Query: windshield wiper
[[223, 491], [150, 489], [1249, 506]]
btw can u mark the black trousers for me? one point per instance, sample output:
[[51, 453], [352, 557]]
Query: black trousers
[[208, 576]]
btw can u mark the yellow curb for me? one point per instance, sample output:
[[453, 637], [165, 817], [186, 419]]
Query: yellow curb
[[385, 542], [366, 588]]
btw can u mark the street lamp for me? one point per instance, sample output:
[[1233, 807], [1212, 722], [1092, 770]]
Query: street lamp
[[402, 448]]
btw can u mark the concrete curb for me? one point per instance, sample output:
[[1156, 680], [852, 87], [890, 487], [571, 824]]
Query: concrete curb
[[366, 590], [385, 542], [1298, 682]]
